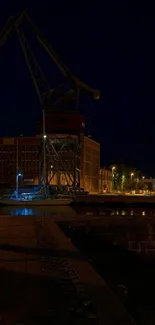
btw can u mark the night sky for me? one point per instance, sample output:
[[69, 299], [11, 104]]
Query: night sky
[[108, 45]]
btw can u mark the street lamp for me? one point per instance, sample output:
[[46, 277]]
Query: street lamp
[[113, 168], [51, 170], [132, 174], [17, 177], [143, 177]]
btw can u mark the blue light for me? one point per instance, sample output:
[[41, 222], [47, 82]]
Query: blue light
[[19, 174]]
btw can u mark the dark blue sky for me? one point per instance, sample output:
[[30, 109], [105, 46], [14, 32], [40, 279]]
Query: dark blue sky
[[108, 45]]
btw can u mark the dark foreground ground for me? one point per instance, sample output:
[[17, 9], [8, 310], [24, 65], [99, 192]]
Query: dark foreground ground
[[131, 275], [45, 280]]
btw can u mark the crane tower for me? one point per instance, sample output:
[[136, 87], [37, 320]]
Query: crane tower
[[62, 129]]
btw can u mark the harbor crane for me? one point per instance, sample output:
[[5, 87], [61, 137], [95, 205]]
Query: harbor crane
[[50, 99]]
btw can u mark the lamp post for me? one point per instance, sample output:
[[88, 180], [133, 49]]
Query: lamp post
[[143, 177], [131, 175], [17, 178], [44, 153], [113, 168]]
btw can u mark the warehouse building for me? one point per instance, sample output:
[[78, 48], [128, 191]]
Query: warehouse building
[[24, 152], [90, 165], [71, 158]]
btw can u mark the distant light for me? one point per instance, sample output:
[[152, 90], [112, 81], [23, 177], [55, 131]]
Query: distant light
[[132, 174], [51, 166], [113, 168], [96, 94], [19, 174], [143, 177], [45, 136]]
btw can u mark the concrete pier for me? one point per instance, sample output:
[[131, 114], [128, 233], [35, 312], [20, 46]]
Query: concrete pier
[[44, 277]]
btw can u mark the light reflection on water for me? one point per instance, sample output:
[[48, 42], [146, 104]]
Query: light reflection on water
[[72, 212], [37, 211], [22, 212], [134, 229]]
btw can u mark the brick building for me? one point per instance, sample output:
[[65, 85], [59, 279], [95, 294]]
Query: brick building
[[25, 152], [22, 151], [90, 165]]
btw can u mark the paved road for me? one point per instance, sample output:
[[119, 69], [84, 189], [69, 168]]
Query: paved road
[[43, 278]]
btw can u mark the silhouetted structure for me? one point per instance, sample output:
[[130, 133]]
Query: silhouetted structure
[[26, 153]]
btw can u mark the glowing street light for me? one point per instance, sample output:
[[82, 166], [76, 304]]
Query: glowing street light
[[17, 178], [113, 168], [132, 174]]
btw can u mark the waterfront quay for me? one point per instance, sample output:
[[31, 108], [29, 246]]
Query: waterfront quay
[[45, 279], [97, 199]]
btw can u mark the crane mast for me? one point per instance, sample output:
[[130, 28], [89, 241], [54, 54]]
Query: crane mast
[[15, 23], [46, 94]]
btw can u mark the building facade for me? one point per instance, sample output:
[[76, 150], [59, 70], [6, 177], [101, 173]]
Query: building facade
[[90, 165], [146, 184], [105, 180], [23, 154]]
